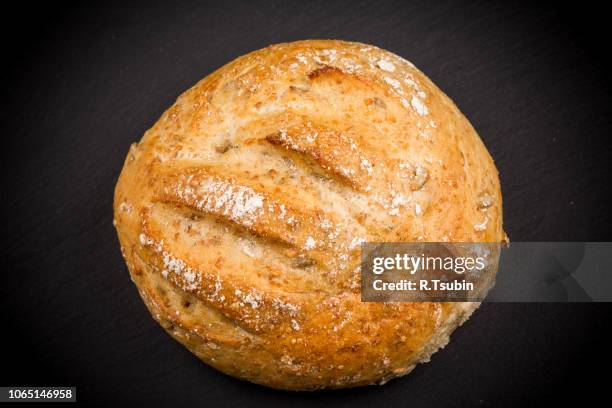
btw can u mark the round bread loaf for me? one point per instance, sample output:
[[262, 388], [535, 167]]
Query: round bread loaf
[[240, 213]]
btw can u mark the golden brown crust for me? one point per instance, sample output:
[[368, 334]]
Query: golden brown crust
[[241, 211]]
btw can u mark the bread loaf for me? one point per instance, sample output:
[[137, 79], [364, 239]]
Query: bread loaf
[[240, 213]]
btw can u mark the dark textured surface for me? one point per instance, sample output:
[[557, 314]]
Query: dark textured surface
[[81, 84]]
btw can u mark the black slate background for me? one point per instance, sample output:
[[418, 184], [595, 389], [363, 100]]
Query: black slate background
[[82, 82]]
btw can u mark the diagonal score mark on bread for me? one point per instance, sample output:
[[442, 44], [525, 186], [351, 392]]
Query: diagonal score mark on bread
[[245, 303], [158, 293], [334, 151], [254, 211]]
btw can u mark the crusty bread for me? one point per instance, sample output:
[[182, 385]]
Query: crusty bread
[[241, 211]]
